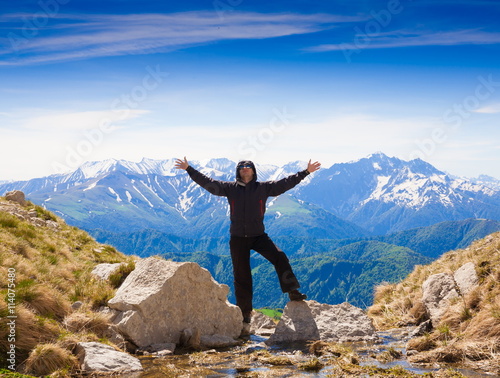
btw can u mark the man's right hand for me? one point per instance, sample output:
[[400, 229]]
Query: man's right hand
[[181, 164]]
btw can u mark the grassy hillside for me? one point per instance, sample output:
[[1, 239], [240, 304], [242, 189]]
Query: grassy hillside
[[470, 330], [45, 267]]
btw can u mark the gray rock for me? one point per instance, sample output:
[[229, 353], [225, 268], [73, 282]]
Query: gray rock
[[261, 324], [97, 357], [466, 278], [218, 341], [38, 222], [437, 291], [421, 329], [52, 224], [190, 338], [103, 271], [76, 305], [117, 338], [162, 349], [310, 320], [16, 196], [160, 299]]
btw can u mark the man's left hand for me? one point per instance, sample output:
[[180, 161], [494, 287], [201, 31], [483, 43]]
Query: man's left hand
[[313, 167]]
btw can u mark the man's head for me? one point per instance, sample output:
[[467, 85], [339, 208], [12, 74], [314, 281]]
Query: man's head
[[245, 171]]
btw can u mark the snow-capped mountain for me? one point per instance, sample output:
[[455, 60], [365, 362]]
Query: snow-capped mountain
[[378, 193], [385, 194], [488, 181]]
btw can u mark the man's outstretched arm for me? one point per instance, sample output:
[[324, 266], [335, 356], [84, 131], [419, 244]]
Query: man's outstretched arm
[[215, 187]]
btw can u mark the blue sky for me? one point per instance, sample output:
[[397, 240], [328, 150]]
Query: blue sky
[[92, 80]]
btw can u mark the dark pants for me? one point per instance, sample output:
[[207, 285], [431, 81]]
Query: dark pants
[[240, 255]]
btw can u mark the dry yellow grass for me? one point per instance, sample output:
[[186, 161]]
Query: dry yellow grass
[[88, 321], [52, 270], [471, 324], [45, 359]]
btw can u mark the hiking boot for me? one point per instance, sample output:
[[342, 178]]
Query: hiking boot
[[245, 330], [296, 295]]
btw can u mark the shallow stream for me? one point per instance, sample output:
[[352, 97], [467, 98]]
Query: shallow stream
[[238, 361]]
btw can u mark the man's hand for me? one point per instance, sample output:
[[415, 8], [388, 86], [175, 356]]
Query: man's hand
[[182, 164], [313, 167]]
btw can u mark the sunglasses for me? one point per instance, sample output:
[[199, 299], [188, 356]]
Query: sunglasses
[[244, 166]]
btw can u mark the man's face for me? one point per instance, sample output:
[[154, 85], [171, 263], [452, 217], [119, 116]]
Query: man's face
[[246, 173]]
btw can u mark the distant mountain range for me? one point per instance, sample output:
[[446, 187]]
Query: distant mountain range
[[384, 194], [330, 271], [374, 195], [346, 228]]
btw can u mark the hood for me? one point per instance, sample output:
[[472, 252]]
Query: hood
[[244, 162]]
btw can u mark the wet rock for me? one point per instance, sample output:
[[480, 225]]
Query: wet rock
[[218, 341], [160, 299], [422, 329], [310, 320], [165, 349]]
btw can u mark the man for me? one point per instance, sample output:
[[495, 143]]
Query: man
[[247, 201]]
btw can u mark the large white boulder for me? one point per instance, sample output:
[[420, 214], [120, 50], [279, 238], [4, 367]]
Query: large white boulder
[[310, 320], [160, 299]]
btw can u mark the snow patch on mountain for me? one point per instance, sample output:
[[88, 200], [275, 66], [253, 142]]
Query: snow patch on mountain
[[410, 189], [94, 169], [111, 190], [129, 196], [185, 203], [143, 196], [379, 191], [487, 181], [474, 187], [91, 186]]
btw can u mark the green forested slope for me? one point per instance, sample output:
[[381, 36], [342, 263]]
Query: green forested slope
[[331, 278]]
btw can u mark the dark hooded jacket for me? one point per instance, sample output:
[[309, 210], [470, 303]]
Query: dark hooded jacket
[[247, 202]]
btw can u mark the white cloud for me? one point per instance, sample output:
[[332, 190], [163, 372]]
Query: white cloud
[[408, 38], [84, 120], [489, 109], [87, 36]]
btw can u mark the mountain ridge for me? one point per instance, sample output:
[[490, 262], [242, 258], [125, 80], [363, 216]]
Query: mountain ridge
[[379, 194]]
